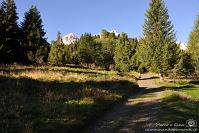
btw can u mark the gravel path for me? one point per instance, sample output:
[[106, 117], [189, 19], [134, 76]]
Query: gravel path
[[137, 114]]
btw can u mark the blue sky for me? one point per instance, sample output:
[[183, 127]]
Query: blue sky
[[80, 16]]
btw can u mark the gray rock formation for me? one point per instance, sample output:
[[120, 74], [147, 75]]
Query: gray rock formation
[[69, 39]]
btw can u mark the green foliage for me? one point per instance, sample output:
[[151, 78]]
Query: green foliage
[[134, 47], [124, 51], [57, 55], [193, 45], [92, 50], [112, 35], [2, 29], [184, 66], [107, 53], [42, 53], [34, 41], [177, 109], [73, 53], [86, 49], [159, 50], [140, 58], [104, 33], [10, 47], [180, 101]]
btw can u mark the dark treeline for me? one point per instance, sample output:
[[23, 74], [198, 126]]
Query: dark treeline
[[24, 42], [156, 51]]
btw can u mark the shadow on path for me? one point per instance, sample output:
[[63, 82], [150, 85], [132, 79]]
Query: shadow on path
[[139, 113], [136, 114]]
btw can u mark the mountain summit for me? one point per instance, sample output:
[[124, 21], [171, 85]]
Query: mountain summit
[[69, 38], [115, 32]]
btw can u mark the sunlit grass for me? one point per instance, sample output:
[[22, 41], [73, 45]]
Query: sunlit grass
[[184, 87], [62, 99], [175, 109], [65, 74], [180, 102], [193, 92]]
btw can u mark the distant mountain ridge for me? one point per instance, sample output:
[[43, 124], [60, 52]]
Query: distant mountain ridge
[[69, 38], [115, 32], [111, 31]]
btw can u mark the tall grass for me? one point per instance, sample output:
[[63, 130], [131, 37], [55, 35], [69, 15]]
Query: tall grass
[[58, 99]]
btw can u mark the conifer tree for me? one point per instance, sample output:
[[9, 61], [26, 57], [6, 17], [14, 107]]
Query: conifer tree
[[86, 49], [193, 45], [104, 33], [2, 30], [139, 60], [160, 48], [107, 53], [184, 66], [134, 59], [73, 53], [10, 45], [123, 53], [57, 53], [35, 43]]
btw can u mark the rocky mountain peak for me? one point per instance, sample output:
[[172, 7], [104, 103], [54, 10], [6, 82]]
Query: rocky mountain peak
[[69, 38]]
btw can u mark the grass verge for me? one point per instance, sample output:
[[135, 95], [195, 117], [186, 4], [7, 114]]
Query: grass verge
[[180, 105]]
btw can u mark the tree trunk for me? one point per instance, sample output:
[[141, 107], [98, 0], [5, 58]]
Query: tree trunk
[[107, 67]]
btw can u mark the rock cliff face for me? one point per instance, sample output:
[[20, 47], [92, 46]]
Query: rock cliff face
[[183, 46], [115, 32], [112, 31], [69, 39]]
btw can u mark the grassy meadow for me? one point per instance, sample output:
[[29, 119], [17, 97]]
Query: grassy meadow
[[181, 101], [58, 99]]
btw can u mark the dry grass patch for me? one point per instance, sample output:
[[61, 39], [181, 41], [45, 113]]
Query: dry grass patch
[[58, 99]]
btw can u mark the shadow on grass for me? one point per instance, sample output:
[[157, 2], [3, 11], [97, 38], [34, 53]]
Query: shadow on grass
[[28, 83], [163, 88], [177, 110], [147, 113], [76, 66], [148, 78], [42, 106], [194, 82], [28, 69], [179, 87]]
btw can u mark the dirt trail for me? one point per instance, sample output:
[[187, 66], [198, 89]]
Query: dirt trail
[[137, 114]]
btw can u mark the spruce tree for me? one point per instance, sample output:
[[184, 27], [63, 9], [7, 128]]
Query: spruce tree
[[134, 62], [57, 55], [73, 52], [139, 60], [193, 45], [107, 53], [160, 48], [123, 53], [86, 49], [2, 30], [184, 66], [104, 34], [35, 43], [10, 45]]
